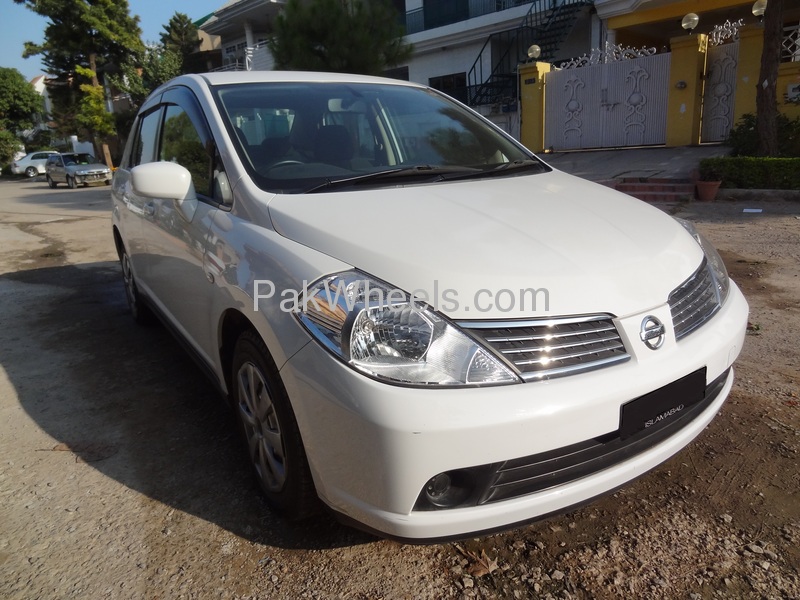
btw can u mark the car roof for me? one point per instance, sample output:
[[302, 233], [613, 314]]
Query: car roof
[[206, 80], [234, 77]]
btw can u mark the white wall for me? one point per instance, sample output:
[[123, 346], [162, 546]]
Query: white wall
[[421, 68]]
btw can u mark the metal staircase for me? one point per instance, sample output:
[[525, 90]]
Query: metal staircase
[[546, 27]]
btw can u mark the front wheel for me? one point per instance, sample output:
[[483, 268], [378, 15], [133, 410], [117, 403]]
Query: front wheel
[[70, 182], [139, 311], [51, 183], [270, 430]]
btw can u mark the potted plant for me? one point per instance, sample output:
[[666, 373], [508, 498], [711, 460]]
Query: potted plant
[[708, 182]]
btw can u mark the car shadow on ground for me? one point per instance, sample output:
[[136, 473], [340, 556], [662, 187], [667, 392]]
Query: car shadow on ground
[[130, 402]]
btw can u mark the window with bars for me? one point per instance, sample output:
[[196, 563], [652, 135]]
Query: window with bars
[[790, 49]]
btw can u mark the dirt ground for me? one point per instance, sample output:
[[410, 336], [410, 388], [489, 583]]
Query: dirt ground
[[121, 476]]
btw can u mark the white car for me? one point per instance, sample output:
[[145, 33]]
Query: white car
[[31, 164], [417, 321]]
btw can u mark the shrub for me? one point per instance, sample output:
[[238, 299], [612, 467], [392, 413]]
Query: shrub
[[743, 138], [748, 172]]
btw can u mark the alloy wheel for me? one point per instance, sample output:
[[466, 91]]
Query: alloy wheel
[[261, 426]]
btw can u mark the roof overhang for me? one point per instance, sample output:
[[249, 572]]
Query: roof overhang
[[625, 12], [230, 19], [455, 34]]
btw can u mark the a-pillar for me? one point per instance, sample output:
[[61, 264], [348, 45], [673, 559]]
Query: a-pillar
[[685, 101], [532, 106]]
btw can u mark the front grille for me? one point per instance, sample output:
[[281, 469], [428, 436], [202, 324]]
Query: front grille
[[694, 302], [550, 348]]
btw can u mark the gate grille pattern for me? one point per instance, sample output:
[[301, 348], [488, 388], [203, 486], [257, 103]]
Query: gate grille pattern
[[622, 103], [718, 95]]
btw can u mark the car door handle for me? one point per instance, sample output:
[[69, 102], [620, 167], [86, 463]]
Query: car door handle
[[149, 209]]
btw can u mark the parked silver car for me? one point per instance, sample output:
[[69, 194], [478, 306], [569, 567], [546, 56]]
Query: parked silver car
[[32, 164], [75, 168]]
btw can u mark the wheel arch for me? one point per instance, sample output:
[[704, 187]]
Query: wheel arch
[[232, 325], [118, 243]]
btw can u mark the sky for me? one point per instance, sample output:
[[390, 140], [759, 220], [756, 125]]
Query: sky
[[19, 24]]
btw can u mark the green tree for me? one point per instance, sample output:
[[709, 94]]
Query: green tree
[[19, 102], [180, 36], [95, 34], [9, 145], [347, 36], [92, 115], [82, 39], [767, 89], [144, 72]]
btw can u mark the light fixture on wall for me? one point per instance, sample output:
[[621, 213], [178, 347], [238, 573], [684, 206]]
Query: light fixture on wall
[[534, 51], [689, 22], [759, 6]]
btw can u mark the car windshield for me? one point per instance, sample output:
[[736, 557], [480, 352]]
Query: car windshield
[[300, 137], [78, 159]]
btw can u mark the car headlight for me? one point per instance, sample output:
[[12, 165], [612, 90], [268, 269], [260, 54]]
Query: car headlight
[[81, 173], [718, 270], [384, 333]]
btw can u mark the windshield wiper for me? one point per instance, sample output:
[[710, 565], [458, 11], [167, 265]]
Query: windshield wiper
[[435, 172], [500, 170]]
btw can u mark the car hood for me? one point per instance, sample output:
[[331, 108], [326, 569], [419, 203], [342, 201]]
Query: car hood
[[89, 167], [481, 243]]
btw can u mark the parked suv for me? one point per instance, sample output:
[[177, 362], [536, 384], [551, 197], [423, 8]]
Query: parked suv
[[75, 168], [416, 320], [32, 164]]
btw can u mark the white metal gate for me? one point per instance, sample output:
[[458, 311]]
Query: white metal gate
[[718, 95], [615, 104]]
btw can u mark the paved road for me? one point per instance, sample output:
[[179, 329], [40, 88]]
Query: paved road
[[41, 227]]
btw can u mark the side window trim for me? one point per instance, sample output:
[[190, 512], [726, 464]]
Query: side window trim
[[184, 99], [133, 159]]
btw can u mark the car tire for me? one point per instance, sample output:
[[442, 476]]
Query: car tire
[[70, 182], [31, 172], [51, 183], [270, 430], [140, 312]]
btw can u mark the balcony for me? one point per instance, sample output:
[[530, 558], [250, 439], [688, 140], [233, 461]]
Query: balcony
[[445, 12]]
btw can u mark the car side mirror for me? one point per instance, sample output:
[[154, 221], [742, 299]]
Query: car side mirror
[[168, 181]]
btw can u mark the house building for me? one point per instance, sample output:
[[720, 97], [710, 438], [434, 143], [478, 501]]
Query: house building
[[571, 74], [670, 72], [469, 49]]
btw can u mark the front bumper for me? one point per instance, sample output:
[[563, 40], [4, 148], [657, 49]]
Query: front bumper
[[93, 178], [372, 447]]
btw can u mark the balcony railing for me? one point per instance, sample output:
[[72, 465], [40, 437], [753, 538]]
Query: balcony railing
[[236, 65], [445, 12]]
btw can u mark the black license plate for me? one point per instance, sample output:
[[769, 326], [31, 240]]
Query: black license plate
[[662, 406]]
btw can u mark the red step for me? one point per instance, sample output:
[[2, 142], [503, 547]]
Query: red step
[[657, 189]]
